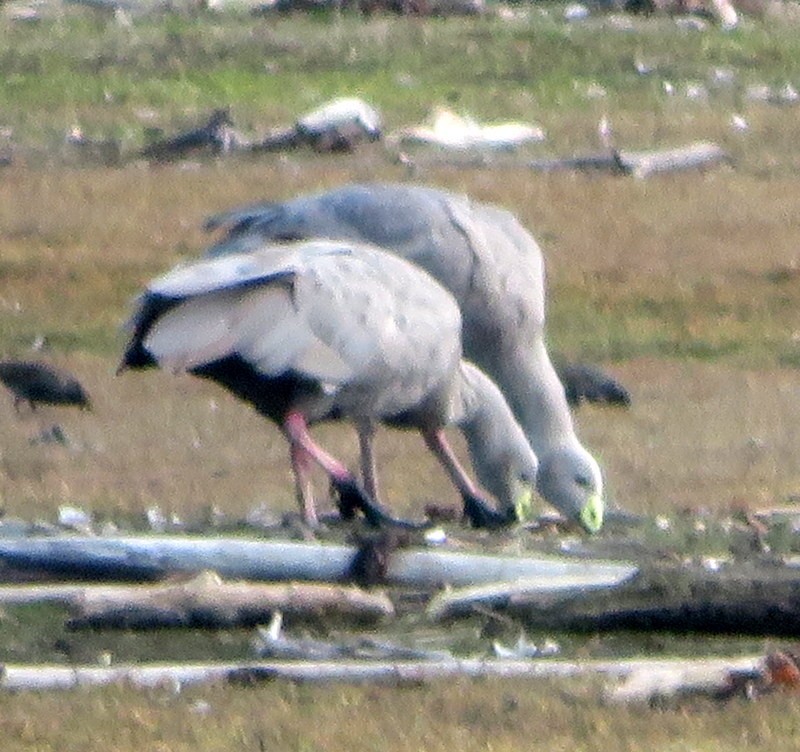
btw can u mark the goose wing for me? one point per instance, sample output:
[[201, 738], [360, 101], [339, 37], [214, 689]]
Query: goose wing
[[341, 314], [239, 304]]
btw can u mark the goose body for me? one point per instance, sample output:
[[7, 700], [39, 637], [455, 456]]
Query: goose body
[[494, 269], [329, 330]]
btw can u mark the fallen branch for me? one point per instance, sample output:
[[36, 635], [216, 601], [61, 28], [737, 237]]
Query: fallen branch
[[19, 678], [640, 164], [215, 136], [698, 155], [154, 557], [207, 601], [650, 685], [779, 670], [463, 601], [743, 599]]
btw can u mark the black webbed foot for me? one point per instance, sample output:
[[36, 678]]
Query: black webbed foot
[[481, 515], [352, 498]]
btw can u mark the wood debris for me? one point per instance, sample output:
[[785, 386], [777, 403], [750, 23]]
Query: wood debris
[[209, 602], [157, 556]]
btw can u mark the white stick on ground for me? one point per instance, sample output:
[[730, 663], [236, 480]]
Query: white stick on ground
[[19, 678]]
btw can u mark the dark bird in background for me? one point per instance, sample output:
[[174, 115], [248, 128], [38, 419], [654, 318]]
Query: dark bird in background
[[41, 384], [584, 382]]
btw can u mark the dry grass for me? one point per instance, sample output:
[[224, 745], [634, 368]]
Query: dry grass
[[493, 715]]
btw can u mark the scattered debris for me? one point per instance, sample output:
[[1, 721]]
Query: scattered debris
[[74, 518], [525, 649], [271, 643], [53, 434], [215, 136], [99, 151]]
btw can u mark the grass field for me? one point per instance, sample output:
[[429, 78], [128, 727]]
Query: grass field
[[686, 287]]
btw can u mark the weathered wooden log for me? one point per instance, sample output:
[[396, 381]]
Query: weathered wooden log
[[652, 685], [736, 599], [154, 557], [207, 601], [778, 670], [19, 678], [692, 157], [464, 601], [216, 136], [640, 164]]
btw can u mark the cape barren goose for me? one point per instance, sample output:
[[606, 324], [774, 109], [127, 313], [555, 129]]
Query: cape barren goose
[[325, 330], [492, 266], [41, 384]]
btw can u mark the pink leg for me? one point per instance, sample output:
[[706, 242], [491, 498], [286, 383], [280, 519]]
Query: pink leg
[[301, 465], [296, 429], [351, 496], [302, 451]]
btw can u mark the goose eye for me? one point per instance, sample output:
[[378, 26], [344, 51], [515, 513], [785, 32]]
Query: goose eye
[[583, 481]]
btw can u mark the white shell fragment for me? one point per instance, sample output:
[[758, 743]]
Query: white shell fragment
[[449, 130]]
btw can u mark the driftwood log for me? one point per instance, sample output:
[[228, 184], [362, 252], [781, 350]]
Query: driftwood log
[[639, 164], [207, 601], [757, 599], [154, 557], [215, 136], [176, 676], [465, 601]]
